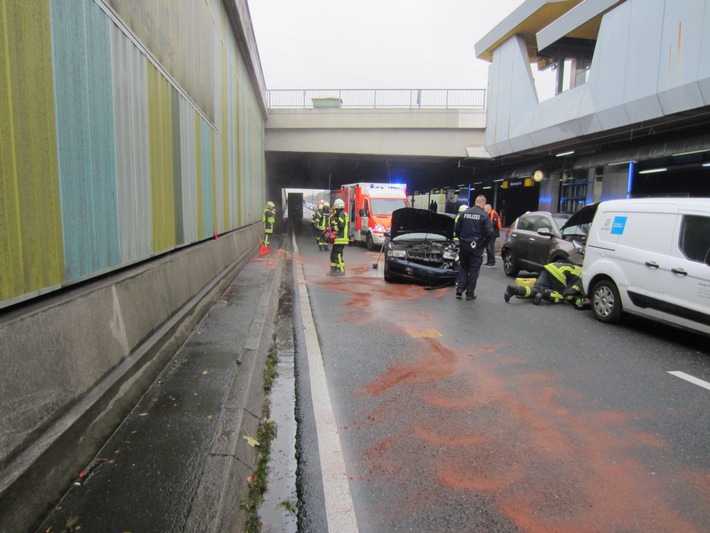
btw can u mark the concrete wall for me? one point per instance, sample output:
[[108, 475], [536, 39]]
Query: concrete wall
[[76, 362]]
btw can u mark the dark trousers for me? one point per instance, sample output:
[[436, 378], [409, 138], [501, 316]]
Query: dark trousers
[[491, 252], [471, 260], [336, 257]]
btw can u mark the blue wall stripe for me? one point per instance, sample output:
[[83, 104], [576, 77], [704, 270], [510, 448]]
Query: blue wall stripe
[[84, 106]]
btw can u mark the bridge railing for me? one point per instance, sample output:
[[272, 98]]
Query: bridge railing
[[377, 98]]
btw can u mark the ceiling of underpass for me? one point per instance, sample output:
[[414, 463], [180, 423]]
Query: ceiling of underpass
[[329, 171]]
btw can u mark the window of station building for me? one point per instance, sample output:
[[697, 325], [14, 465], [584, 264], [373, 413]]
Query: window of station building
[[573, 194]]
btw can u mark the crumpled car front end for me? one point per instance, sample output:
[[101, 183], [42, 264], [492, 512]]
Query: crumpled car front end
[[420, 248]]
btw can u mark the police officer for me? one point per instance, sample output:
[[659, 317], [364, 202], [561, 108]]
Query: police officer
[[473, 229], [557, 282], [269, 219], [340, 224]]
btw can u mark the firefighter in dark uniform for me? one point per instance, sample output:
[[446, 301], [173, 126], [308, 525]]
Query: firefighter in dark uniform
[[317, 215], [473, 229], [322, 222], [340, 224], [556, 283], [269, 219]]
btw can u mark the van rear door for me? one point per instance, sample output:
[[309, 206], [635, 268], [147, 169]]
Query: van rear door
[[687, 278]]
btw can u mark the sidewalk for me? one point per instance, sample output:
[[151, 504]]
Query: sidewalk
[[178, 462]]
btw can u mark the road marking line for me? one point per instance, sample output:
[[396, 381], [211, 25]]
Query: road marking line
[[339, 508], [691, 379]]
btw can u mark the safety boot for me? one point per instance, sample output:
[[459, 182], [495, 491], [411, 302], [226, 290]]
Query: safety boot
[[509, 291]]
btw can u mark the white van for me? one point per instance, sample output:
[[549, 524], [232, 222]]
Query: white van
[[650, 257]]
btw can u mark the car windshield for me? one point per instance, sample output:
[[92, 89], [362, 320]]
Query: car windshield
[[560, 219], [385, 206], [581, 230]]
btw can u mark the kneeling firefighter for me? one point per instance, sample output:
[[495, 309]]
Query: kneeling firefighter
[[557, 282], [340, 225]]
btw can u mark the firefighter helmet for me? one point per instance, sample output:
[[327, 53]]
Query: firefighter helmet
[[339, 204], [270, 205], [462, 208], [326, 204]]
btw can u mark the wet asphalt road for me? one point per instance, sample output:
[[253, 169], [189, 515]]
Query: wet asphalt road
[[487, 416]]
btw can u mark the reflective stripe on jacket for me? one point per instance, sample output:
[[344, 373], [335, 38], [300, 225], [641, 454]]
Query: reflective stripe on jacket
[[268, 218], [339, 223]]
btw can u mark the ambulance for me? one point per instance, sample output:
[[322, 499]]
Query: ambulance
[[370, 207]]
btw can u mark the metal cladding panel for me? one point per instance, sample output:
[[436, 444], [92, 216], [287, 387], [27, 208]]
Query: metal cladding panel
[[681, 54], [176, 166], [207, 173], [198, 176], [613, 43], [31, 252], [188, 167], [161, 160], [180, 36], [132, 161], [640, 90], [87, 162]]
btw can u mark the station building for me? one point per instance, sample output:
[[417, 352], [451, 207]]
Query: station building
[[631, 109]]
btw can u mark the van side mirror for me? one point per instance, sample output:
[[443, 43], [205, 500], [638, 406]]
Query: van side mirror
[[362, 212]]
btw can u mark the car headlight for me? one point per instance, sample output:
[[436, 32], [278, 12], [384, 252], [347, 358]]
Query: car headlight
[[450, 255], [578, 247], [396, 253], [379, 228]]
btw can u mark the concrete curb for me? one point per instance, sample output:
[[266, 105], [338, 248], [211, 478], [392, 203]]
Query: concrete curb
[[231, 460]]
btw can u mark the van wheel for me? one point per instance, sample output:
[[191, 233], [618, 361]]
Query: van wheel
[[606, 303], [369, 242], [510, 267]]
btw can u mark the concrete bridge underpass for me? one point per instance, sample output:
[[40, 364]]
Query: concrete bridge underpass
[[425, 138]]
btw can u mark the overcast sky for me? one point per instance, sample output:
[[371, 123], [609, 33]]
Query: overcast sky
[[374, 44]]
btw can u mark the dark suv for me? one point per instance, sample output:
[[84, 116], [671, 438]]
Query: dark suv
[[538, 238]]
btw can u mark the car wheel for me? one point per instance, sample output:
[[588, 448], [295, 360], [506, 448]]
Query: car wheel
[[509, 265], [388, 276], [369, 242], [606, 302]]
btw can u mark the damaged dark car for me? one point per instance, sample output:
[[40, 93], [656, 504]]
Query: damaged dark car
[[420, 248]]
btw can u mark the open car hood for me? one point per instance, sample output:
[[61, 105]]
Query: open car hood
[[583, 215], [413, 220]]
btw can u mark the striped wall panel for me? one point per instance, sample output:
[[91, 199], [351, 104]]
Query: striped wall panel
[[160, 141], [31, 254], [85, 140], [207, 173], [105, 161], [188, 167], [132, 155]]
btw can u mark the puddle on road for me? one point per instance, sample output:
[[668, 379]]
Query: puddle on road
[[278, 511]]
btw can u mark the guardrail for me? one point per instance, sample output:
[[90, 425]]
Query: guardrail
[[376, 98]]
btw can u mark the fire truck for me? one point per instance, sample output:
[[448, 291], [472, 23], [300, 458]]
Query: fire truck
[[370, 207]]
